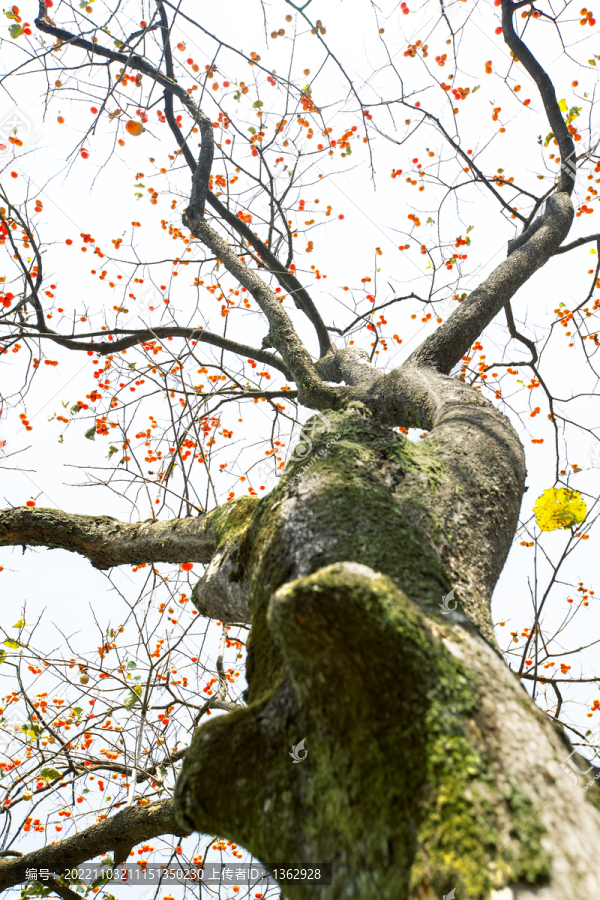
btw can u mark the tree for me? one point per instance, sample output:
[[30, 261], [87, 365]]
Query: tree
[[429, 768]]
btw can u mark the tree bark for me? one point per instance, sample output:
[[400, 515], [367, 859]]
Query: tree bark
[[117, 835], [106, 542], [428, 767]]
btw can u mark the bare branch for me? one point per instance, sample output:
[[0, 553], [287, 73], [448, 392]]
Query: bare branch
[[283, 334], [444, 348], [106, 542], [578, 243], [118, 835], [142, 335], [172, 88], [546, 89]]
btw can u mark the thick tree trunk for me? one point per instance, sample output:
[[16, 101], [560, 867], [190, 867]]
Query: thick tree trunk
[[428, 766]]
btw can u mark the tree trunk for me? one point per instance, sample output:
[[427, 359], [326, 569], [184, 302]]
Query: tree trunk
[[428, 767], [368, 574]]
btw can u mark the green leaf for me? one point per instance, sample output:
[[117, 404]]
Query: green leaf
[[35, 889], [75, 409], [31, 730], [91, 433], [133, 697], [2, 655], [14, 645], [257, 104], [111, 451], [49, 773], [476, 88], [15, 31], [548, 138], [430, 221], [592, 62], [252, 130], [131, 664]]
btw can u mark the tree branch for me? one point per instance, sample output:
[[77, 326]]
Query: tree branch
[[106, 542], [546, 89], [444, 348], [118, 835], [517, 336], [282, 332], [140, 336], [61, 889], [578, 243], [294, 287]]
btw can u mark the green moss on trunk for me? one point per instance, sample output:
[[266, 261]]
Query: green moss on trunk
[[398, 789]]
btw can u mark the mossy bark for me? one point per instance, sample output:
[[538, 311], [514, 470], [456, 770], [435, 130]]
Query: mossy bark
[[419, 776]]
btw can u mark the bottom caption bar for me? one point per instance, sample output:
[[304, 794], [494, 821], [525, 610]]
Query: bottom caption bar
[[154, 873]]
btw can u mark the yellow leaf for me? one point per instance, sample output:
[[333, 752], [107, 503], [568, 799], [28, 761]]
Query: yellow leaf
[[559, 508], [19, 624], [563, 106]]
